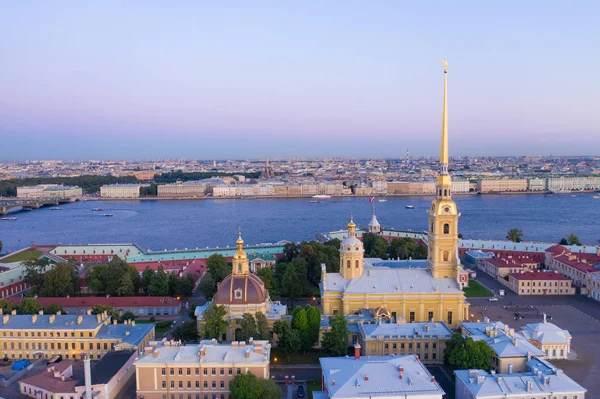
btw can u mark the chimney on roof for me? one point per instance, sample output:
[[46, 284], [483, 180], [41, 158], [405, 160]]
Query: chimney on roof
[[156, 353], [214, 341], [34, 318], [41, 312], [432, 379], [357, 351], [401, 369], [58, 313], [529, 386], [115, 322], [480, 379], [147, 350], [79, 319], [87, 368], [247, 353], [400, 375], [5, 318], [366, 378], [510, 368], [132, 323], [13, 312], [89, 312], [52, 318]]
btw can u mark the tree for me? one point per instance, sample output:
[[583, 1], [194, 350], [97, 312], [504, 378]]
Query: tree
[[97, 309], [335, 341], [463, 353], [515, 235], [313, 315], [420, 252], [291, 285], [160, 283], [267, 276], [214, 321], [217, 267], [572, 239], [115, 278], [129, 315], [208, 286], [248, 386], [300, 324], [186, 332], [398, 249], [61, 281], [375, 246], [247, 327], [181, 286], [54, 308], [126, 287], [289, 339], [6, 306], [147, 277], [563, 241], [34, 270], [29, 306], [262, 326]]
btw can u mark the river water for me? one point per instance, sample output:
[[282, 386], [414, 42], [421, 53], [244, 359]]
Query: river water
[[163, 224]]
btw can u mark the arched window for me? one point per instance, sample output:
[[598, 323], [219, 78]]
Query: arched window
[[440, 191], [239, 267], [356, 264], [432, 227], [446, 228], [348, 264], [446, 254], [445, 192]]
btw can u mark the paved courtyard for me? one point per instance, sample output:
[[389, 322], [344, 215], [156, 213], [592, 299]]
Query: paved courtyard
[[584, 328]]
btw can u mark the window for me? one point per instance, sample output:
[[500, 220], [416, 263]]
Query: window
[[430, 316], [180, 371], [230, 372], [348, 264], [172, 371], [172, 384], [189, 384], [393, 346], [449, 317], [214, 384], [197, 371], [222, 384], [239, 371], [189, 371], [214, 371], [222, 372], [446, 228], [205, 384], [197, 384], [205, 371], [356, 267], [163, 371], [411, 317], [164, 384]]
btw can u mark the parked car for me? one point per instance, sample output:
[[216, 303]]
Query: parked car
[[300, 392], [494, 299]]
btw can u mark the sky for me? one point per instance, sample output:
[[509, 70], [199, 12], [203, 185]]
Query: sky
[[254, 79]]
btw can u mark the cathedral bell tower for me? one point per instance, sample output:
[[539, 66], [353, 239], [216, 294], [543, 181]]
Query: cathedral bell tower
[[351, 254], [240, 260], [442, 258]]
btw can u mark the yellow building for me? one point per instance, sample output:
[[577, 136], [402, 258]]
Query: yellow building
[[417, 295], [71, 336]]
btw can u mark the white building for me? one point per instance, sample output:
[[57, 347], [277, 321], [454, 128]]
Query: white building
[[380, 187], [185, 189], [548, 337], [120, 191], [389, 377], [48, 191], [460, 186]]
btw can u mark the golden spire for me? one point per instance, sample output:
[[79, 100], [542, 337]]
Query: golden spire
[[444, 149], [240, 243], [351, 227]]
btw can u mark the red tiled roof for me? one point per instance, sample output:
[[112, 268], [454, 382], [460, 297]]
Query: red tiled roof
[[539, 276], [114, 301], [588, 266], [557, 249]]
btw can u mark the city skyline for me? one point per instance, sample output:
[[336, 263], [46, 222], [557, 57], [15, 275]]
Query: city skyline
[[212, 82]]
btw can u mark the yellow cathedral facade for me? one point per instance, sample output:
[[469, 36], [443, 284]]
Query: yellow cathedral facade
[[413, 294]]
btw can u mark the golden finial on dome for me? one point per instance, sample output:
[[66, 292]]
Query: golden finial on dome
[[240, 241], [351, 225]]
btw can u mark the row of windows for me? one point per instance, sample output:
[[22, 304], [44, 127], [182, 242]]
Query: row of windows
[[539, 284], [410, 345], [47, 346], [188, 384], [188, 371], [544, 291], [65, 334]]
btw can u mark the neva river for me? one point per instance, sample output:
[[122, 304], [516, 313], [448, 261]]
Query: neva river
[[215, 222]]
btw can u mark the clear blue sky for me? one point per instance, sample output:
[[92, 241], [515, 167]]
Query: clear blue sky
[[249, 79]]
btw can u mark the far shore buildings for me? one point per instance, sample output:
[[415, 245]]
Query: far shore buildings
[[385, 377], [71, 336], [128, 190], [169, 370], [242, 292], [416, 295]]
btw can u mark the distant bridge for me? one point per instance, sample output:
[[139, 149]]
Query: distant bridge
[[21, 205]]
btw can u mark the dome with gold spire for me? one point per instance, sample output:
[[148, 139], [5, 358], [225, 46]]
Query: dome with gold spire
[[351, 243], [241, 286]]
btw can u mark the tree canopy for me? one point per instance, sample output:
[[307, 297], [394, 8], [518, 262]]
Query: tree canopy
[[515, 235], [335, 341], [217, 269], [463, 353], [116, 278], [214, 321], [186, 331], [248, 386]]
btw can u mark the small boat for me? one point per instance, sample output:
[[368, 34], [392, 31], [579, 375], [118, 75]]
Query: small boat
[[574, 196], [321, 196], [596, 196], [410, 207], [549, 195], [9, 218], [107, 214], [97, 209], [313, 202], [382, 200], [248, 197], [56, 208]]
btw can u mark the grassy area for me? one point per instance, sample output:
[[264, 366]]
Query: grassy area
[[312, 385], [476, 290], [311, 357], [22, 256], [160, 326]]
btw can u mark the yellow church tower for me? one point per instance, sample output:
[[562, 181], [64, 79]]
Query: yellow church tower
[[442, 238], [240, 260], [351, 254]]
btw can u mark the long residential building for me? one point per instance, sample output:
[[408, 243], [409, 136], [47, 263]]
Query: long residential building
[[120, 190], [71, 336], [582, 268], [188, 189], [170, 370], [540, 283], [49, 191]]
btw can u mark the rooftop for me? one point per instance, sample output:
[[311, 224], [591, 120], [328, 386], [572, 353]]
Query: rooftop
[[207, 352], [512, 261], [50, 322], [540, 275], [378, 377], [405, 330], [50, 379], [546, 333], [113, 301], [501, 338], [106, 368]]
